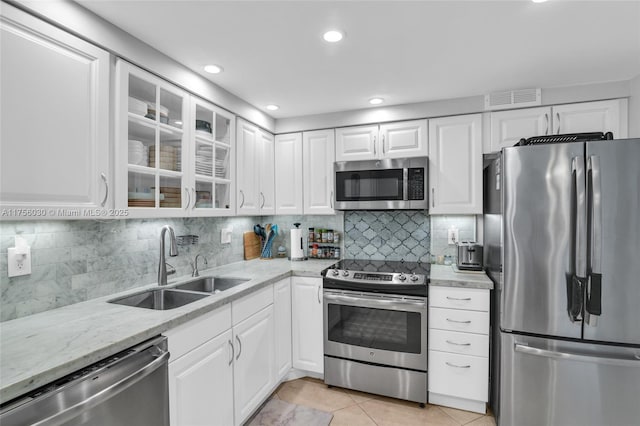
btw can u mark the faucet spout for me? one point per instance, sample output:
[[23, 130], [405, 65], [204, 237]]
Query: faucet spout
[[173, 251]]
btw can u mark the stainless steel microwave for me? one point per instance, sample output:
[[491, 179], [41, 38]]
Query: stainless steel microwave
[[398, 183]]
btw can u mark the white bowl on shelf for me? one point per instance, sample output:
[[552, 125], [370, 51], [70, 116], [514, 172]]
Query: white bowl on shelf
[[137, 106]]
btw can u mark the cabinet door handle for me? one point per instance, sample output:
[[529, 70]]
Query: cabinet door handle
[[382, 144], [457, 366], [546, 120], [319, 300], [331, 200], [433, 197], [374, 146], [188, 198], [242, 203], [558, 118], [263, 199], [232, 351], [239, 348], [193, 192], [458, 344], [106, 187], [459, 322], [458, 298]]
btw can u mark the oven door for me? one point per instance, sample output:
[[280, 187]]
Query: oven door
[[380, 329]]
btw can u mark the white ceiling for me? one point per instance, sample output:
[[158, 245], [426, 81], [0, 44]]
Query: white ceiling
[[405, 52]]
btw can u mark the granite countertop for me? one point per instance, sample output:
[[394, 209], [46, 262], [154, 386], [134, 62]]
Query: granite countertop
[[40, 348], [447, 276]]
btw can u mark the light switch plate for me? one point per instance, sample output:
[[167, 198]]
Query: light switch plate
[[225, 235], [18, 264]]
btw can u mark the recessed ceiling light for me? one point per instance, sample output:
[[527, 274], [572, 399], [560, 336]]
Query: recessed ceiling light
[[538, 1], [376, 101], [213, 69], [272, 107], [333, 36]]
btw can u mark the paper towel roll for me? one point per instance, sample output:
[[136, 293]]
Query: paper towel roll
[[297, 244]]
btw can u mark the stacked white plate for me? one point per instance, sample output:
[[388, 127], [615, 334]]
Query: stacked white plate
[[137, 106], [204, 160], [138, 153], [221, 168]]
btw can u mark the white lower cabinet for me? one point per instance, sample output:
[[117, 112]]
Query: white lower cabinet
[[254, 362], [459, 348], [282, 320], [307, 324], [223, 364], [199, 384]]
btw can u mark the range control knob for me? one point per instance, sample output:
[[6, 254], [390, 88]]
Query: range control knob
[[402, 277], [335, 272], [413, 277], [345, 273]]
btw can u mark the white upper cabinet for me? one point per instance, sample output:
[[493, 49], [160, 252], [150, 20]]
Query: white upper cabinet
[[404, 139], [54, 136], [211, 160], [152, 145], [288, 173], [455, 164], [356, 143], [318, 152], [601, 116], [508, 127], [255, 170], [392, 140]]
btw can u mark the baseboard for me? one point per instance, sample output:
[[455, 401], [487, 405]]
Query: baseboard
[[460, 403]]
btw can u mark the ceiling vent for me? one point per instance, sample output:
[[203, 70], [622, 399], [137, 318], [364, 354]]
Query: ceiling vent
[[513, 99]]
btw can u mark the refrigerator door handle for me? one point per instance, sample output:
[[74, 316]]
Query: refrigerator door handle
[[576, 280], [594, 285], [619, 362]]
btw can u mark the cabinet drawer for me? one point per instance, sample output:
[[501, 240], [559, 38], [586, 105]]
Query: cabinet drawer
[[459, 320], [243, 308], [194, 333], [475, 299], [460, 343], [462, 376]]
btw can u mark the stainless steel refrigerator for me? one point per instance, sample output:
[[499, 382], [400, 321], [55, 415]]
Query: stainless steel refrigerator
[[562, 242]]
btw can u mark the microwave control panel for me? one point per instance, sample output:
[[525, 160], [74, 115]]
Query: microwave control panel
[[415, 184]]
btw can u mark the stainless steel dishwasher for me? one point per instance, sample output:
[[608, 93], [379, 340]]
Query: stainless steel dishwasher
[[129, 388]]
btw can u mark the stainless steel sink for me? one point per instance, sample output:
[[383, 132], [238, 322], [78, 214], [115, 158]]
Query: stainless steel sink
[[159, 299], [211, 284]]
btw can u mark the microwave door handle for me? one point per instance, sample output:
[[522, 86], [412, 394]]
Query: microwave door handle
[[405, 184]]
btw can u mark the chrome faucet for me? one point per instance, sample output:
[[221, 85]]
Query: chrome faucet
[[194, 265], [173, 251]]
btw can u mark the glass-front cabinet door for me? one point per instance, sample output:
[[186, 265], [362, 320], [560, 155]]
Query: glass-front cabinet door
[[211, 186], [151, 144]]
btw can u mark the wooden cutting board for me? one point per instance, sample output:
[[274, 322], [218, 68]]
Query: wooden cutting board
[[251, 245]]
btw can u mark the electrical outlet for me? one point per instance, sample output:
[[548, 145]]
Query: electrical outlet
[[18, 263], [452, 235]]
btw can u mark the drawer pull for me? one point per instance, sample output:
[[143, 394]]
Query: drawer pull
[[459, 322], [459, 298], [457, 366], [458, 344]]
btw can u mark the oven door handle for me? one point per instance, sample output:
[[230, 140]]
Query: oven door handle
[[387, 301]]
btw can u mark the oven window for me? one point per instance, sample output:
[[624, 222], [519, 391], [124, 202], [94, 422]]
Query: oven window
[[397, 331], [369, 185]]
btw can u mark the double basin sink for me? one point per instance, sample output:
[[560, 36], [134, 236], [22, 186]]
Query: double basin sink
[[179, 295]]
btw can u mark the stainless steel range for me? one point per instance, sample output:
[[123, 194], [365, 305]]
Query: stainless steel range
[[375, 327]]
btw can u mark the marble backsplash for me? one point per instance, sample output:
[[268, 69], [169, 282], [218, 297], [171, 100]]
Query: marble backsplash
[[387, 235], [73, 261]]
